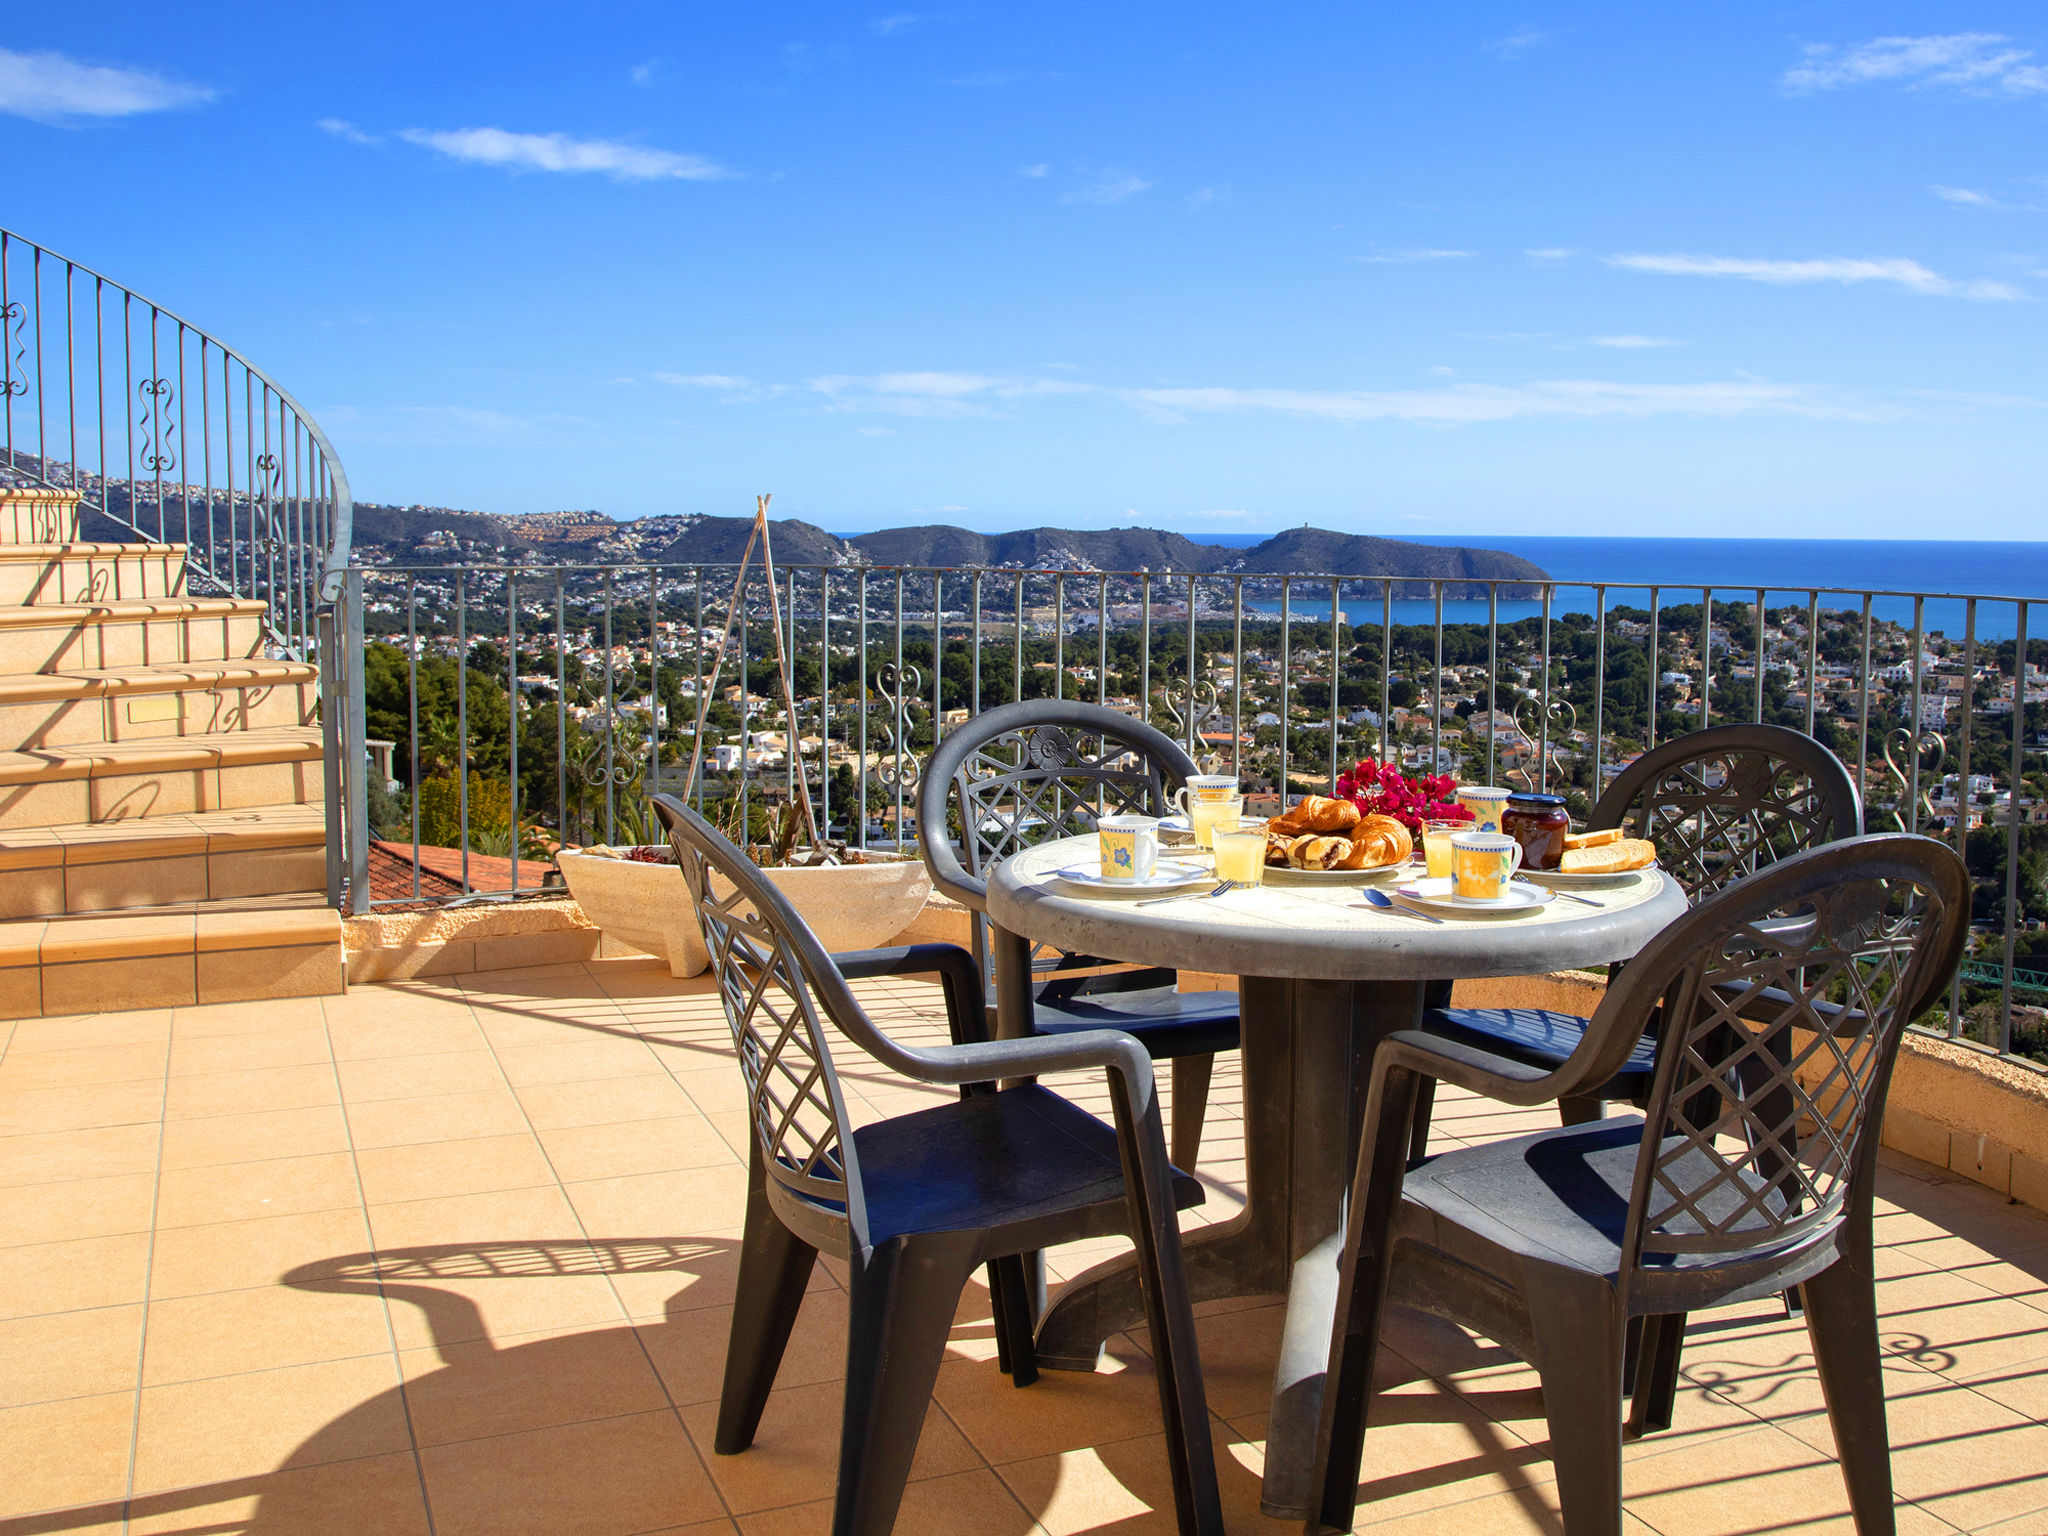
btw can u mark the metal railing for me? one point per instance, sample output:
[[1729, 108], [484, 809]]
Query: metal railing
[[171, 436], [579, 693]]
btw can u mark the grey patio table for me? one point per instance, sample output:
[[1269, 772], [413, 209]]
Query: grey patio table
[[1322, 978]]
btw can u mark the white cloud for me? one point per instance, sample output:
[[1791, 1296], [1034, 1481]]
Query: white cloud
[[342, 128], [1981, 63], [732, 386], [1633, 341], [935, 393], [1965, 196], [1403, 257], [1516, 43], [887, 24], [51, 88], [559, 152], [1550, 253], [1108, 187], [643, 74], [1036, 172], [1467, 403], [1202, 197], [1896, 270]]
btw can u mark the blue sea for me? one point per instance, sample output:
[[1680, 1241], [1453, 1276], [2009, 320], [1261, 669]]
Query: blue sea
[[1840, 569]]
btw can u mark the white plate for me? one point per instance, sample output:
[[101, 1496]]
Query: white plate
[[1436, 894], [1582, 880], [1287, 874], [1167, 875]]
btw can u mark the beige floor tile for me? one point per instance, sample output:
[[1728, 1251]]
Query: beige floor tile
[[689, 1274], [1126, 1487], [85, 1031], [575, 1061], [439, 1033], [681, 1204], [436, 1117], [100, 1152], [554, 1106], [795, 1455], [416, 1077], [498, 1291], [223, 1333], [243, 1092], [1064, 1411], [505, 1216], [238, 1255], [257, 1136], [718, 1090], [972, 1503], [55, 1455], [83, 1067], [71, 1277], [247, 1426], [38, 1110], [69, 1354], [380, 1494], [52, 1213], [638, 1146], [1717, 1486], [546, 1481], [468, 1391], [251, 1018], [277, 1186], [296, 1045], [438, 1169], [688, 1348]]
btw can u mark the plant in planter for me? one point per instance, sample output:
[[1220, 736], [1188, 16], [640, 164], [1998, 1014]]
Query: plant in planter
[[853, 898]]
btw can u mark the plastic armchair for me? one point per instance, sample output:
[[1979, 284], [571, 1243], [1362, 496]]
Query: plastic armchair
[[915, 1204], [1551, 1243]]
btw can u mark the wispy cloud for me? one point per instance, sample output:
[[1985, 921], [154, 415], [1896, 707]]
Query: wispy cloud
[[1632, 341], [1106, 187], [53, 88], [731, 385], [645, 74], [1516, 43], [1036, 172], [887, 24], [1550, 253], [1202, 197], [1965, 197], [342, 128], [935, 393], [1402, 258], [560, 152], [1896, 271], [1981, 63], [1470, 403]]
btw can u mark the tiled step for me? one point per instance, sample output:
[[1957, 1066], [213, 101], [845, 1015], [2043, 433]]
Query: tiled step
[[171, 956], [89, 573], [38, 516], [270, 850], [129, 633], [131, 780], [193, 698]]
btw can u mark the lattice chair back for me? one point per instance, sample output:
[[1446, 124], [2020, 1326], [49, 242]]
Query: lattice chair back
[[772, 977], [1785, 997], [1029, 773], [1725, 802]]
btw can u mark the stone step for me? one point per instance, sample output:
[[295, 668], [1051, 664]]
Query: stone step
[[176, 776], [89, 573], [170, 956], [141, 632], [194, 698], [269, 850], [37, 516]]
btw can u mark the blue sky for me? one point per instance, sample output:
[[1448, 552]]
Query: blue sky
[[1423, 271]]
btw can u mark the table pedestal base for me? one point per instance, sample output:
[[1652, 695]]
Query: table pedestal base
[[1308, 1048]]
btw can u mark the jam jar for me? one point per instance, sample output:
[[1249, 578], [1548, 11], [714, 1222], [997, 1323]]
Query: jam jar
[[1539, 823]]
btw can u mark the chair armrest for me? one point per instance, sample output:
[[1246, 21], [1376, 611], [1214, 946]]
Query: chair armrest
[[959, 976], [1453, 1061], [986, 1060]]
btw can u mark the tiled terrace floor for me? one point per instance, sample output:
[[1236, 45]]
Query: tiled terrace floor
[[457, 1258]]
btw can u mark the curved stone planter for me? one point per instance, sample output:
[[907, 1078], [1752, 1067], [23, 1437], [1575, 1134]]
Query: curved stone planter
[[647, 906]]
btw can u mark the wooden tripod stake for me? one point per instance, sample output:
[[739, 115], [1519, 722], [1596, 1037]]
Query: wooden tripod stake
[[739, 588]]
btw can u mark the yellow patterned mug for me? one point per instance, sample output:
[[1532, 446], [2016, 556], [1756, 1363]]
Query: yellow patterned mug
[[1482, 864], [1130, 846], [1485, 805]]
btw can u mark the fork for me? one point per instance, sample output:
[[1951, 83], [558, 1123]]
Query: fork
[[1227, 885]]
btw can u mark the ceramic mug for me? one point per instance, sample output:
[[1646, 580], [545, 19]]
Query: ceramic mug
[[1130, 846], [1482, 864], [1203, 786], [1485, 805]]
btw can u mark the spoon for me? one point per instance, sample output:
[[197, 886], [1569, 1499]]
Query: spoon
[[1387, 903]]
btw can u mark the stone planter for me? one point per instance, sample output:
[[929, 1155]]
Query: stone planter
[[647, 906]]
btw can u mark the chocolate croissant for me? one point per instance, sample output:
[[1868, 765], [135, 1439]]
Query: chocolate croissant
[[1311, 851]]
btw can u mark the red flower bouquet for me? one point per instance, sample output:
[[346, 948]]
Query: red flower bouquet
[[1381, 789]]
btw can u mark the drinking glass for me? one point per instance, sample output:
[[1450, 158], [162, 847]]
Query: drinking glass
[[1207, 817], [1436, 845], [1241, 854]]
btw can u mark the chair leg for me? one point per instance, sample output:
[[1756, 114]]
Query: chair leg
[[1009, 1294], [1841, 1319], [775, 1268], [904, 1294], [1418, 1134], [1655, 1374], [1574, 1110], [1191, 1076], [1578, 1332]]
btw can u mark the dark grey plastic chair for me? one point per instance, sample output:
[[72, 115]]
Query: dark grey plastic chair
[[1720, 804], [1752, 1169], [915, 1204], [1027, 773]]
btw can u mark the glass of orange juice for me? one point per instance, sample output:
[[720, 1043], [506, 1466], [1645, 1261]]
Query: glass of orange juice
[[1241, 854], [1207, 817], [1436, 845]]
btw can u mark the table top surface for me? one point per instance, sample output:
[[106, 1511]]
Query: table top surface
[[1324, 932]]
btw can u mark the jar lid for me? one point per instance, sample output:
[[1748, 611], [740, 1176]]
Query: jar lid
[[1533, 802]]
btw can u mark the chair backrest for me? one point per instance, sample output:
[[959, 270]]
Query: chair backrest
[[1725, 802], [1023, 774], [1783, 1001], [772, 976]]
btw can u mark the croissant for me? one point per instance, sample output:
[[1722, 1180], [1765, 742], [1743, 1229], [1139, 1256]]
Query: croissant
[[1277, 844], [1383, 840], [1321, 814]]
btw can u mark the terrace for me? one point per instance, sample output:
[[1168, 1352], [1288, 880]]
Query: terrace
[[288, 1248]]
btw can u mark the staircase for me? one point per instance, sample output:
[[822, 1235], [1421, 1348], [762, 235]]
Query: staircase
[[162, 837]]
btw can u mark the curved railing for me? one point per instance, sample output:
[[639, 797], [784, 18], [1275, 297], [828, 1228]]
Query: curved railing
[[171, 434]]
